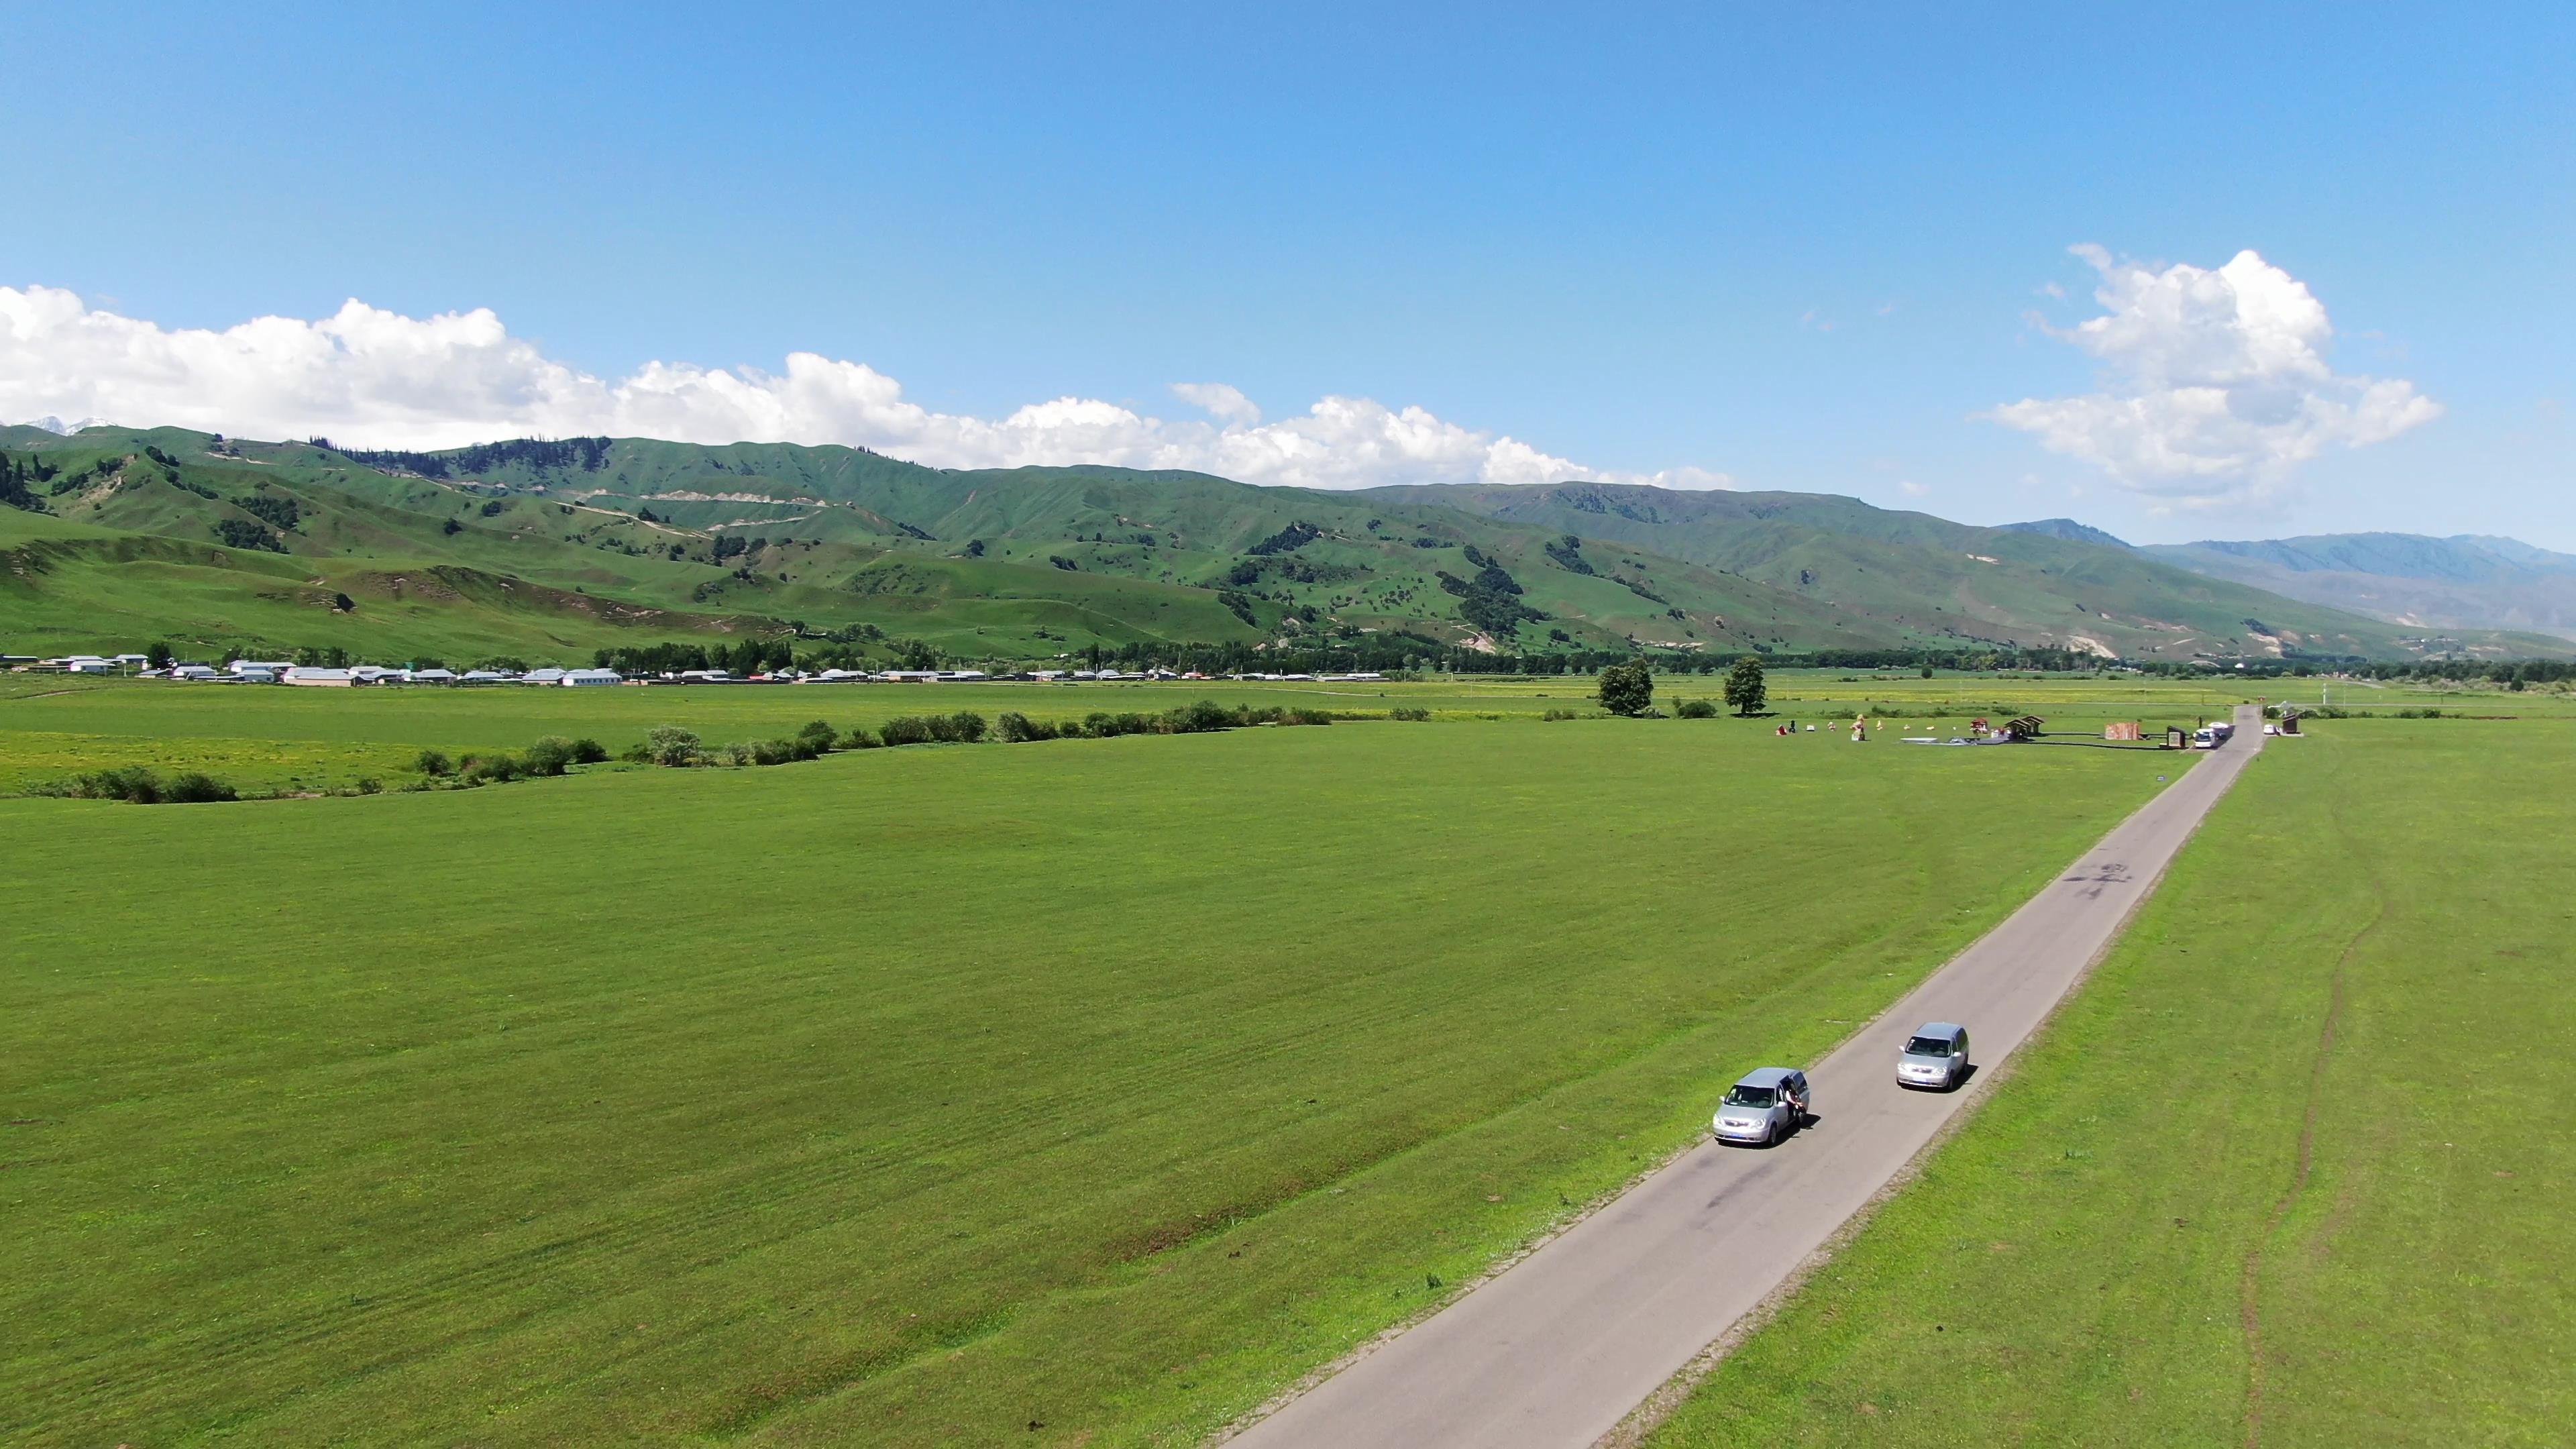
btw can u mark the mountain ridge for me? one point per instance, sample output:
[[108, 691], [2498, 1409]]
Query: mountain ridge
[[2464, 581], [1914, 571], [628, 534]]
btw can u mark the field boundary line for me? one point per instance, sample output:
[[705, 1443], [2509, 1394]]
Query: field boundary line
[[2250, 1283]]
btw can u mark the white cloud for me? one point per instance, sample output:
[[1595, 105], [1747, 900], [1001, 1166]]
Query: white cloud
[[1221, 401], [2214, 384], [1912, 489], [371, 378]]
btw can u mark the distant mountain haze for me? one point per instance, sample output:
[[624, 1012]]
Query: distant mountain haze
[[2467, 581], [2463, 582]]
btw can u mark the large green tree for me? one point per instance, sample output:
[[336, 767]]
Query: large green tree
[[1744, 687], [1627, 688]]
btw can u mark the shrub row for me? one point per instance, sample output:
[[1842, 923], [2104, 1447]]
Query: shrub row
[[1204, 717], [551, 755], [962, 728], [679, 748], [139, 785]]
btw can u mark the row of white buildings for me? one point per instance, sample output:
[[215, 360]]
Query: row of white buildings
[[267, 671], [279, 671]]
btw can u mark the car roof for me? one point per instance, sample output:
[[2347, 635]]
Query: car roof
[[1939, 1028], [1766, 1077]]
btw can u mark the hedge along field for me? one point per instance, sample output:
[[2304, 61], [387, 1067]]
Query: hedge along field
[[912, 1096], [2292, 1168], [282, 738]]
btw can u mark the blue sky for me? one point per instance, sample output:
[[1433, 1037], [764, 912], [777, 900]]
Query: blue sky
[[1799, 250]]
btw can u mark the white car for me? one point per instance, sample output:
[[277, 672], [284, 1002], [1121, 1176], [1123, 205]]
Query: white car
[[1936, 1056], [1767, 1105]]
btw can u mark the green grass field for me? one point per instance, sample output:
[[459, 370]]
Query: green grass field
[[909, 1096], [274, 738], [2291, 1169]]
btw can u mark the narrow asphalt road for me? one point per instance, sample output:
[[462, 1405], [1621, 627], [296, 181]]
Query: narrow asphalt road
[[1554, 1352]]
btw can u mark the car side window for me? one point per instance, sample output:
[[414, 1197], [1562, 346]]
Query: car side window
[[1961, 1045]]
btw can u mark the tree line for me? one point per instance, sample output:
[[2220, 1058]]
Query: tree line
[[536, 454]]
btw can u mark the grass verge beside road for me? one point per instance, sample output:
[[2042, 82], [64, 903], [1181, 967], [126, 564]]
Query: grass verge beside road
[[2292, 1168]]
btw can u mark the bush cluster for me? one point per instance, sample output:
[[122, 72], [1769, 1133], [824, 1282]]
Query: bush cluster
[[489, 769], [139, 785], [962, 728], [1201, 718], [1695, 709], [2337, 711], [673, 746], [677, 747], [775, 752], [1409, 713], [1204, 717], [550, 755]]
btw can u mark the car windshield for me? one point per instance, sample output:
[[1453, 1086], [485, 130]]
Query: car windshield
[[1927, 1046], [1743, 1096]]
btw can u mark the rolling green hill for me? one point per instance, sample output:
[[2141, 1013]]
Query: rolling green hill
[[572, 546], [1901, 572], [556, 548]]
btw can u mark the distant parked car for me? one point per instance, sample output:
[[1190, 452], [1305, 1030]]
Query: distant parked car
[[1767, 1105], [1935, 1056]]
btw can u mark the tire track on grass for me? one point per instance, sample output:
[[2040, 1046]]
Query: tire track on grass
[[2250, 1282]]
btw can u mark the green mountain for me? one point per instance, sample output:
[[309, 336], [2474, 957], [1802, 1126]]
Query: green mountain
[[555, 548], [2068, 529], [1913, 575], [2466, 581]]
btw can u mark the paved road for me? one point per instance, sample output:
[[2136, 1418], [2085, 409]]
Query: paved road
[[1555, 1351]]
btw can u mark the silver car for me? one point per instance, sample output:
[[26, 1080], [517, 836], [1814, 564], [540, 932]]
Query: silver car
[[1935, 1056], [1769, 1104]]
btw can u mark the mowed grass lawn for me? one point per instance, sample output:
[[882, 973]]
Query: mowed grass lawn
[[2293, 1168], [912, 1096]]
